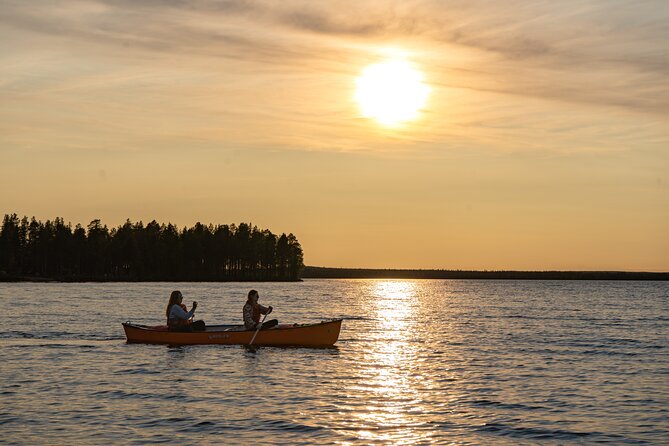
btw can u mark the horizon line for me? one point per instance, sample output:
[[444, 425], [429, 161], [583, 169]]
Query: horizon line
[[488, 270]]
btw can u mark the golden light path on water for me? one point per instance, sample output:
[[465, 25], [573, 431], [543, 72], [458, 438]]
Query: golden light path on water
[[395, 398]]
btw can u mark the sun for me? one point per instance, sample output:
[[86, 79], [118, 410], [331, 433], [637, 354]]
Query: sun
[[391, 92]]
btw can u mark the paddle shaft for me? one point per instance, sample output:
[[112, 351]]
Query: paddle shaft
[[258, 329]]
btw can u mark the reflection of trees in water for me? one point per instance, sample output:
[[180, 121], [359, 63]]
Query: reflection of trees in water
[[153, 252]]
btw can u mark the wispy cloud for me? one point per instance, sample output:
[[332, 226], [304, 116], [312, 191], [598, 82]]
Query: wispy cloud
[[598, 52], [135, 55]]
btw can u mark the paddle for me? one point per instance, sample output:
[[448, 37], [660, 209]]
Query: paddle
[[258, 329]]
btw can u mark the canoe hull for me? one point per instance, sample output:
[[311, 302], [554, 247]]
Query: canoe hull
[[323, 334]]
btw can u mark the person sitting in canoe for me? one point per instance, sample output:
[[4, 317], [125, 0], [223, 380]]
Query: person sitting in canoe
[[178, 316], [253, 310]]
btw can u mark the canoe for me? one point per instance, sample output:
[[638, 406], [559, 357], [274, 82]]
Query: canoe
[[322, 334]]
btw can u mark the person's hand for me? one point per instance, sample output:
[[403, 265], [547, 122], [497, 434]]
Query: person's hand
[[270, 309], [194, 305]]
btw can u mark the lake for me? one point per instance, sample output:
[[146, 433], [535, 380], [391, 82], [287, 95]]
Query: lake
[[417, 362]]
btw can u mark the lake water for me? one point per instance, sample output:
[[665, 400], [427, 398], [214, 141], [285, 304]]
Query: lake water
[[417, 362]]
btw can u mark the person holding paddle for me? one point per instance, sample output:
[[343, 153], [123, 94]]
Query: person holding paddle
[[178, 316], [253, 310]]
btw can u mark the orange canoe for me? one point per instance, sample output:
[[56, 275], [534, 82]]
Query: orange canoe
[[322, 334]]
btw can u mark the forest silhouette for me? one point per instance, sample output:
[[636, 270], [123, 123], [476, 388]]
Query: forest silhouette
[[32, 249]]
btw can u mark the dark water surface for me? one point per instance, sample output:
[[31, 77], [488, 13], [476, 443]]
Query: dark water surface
[[418, 362]]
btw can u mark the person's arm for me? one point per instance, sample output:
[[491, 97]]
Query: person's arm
[[264, 310], [178, 312]]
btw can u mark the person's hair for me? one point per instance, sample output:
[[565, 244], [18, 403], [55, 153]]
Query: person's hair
[[174, 297], [251, 294]]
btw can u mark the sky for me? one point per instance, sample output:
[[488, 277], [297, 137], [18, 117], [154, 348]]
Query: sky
[[543, 143]]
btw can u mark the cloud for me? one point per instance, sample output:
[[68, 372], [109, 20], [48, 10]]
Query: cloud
[[278, 59], [599, 52]]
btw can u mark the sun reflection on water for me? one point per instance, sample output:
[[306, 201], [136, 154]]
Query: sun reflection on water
[[388, 383], [394, 303]]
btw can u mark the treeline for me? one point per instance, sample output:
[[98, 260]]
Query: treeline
[[32, 249], [314, 272]]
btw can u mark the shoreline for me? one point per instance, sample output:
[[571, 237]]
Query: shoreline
[[316, 272], [84, 280]]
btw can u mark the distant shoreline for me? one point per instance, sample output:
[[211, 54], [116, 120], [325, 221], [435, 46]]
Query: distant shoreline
[[317, 272], [32, 279]]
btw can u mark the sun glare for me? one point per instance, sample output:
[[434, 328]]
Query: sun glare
[[391, 92]]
